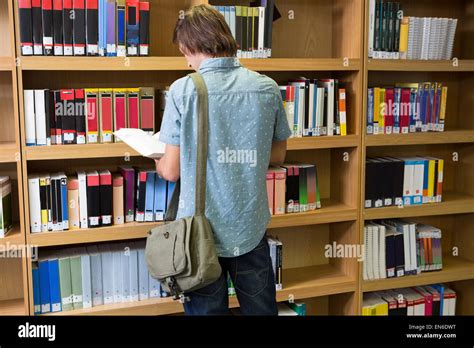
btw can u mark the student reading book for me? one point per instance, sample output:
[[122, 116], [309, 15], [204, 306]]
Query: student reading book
[[248, 130]]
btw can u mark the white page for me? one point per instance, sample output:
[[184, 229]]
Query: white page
[[145, 144]]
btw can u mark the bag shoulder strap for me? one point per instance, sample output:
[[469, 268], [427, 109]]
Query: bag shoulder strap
[[201, 162], [201, 159]]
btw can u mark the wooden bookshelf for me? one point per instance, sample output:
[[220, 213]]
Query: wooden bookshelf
[[14, 238], [6, 64], [447, 137], [8, 151], [453, 203], [179, 64], [307, 275], [301, 283], [455, 215], [14, 295], [454, 269], [461, 65], [13, 307]]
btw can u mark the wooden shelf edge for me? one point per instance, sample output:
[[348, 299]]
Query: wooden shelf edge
[[6, 63], [54, 152], [179, 64], [134, 230], [15, 307], [310, 143], [329, 214], [164, 306], [8, 152], [453, 270], [463, 65], [452, 204], [13, 238], [447, 137]]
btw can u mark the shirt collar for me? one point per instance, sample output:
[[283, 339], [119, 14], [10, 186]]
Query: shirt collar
[[219, 63]]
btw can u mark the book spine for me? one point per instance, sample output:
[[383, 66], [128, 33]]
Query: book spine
[[26, 27], [47, 23], [68, 24], [144, 28], [92, 27]]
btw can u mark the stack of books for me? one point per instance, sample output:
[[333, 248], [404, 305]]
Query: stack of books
[[96, 198], [86, 116], [403, 181], [407, 108], [251, 27], [293, 188], [432, 300], [84, 27], [395, 36], [315, 107], [396, 248], [86, 277]]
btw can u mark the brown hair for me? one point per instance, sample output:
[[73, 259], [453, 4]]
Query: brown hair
[[203, 29]]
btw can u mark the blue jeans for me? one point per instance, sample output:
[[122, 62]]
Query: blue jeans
[[254, 282]]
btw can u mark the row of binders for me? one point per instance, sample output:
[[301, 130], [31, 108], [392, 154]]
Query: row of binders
[[407, 108], [395, 36], [293, 188], [6, 219], [403, 181], [91, 115], [96, 198], [430, 300], [251, 28], [315, 107], [84, 27], [86, 277], [397, 248]]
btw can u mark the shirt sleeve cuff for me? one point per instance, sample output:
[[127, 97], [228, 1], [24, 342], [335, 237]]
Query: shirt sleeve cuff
[[169, 139]]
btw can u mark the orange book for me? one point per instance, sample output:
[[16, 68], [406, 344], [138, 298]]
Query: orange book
[[342, 111], [270, 190], [279, 191]]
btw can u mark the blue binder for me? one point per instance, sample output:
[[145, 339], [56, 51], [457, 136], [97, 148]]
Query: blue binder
[[45, 296], [36, 289], [150, 195], [54, 288], [171, 186], [160, 198]]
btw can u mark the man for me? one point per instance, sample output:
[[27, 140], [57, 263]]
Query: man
[[247, 131]]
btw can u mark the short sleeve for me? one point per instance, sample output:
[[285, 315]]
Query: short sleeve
[[171, 125], [282, 129]]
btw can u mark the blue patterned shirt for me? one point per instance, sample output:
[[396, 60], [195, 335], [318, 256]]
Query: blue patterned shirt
[[246, 115]]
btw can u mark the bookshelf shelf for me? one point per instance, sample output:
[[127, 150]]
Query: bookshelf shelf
[[331, 211], [453, 203], [8, 152], [462, 65], [301, 283], [6, 63], [12, 307], [307, 143], [14, 237], [179, 63], [454, 269], [133, 230], [34, 153], [447, 137]]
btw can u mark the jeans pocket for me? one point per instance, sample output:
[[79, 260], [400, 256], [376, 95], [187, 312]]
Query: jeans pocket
[[252, 282]]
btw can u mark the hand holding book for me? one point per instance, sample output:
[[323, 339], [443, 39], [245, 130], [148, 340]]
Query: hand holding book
[[145, 144]]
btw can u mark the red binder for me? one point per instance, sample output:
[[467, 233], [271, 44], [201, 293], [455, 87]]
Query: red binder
[[92, 113], [147, 108], [133, 103], [106, 115], [120, 108], [68, 117], [405, 111], [389, 104]]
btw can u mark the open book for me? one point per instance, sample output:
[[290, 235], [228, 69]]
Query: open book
[[145, 144]]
